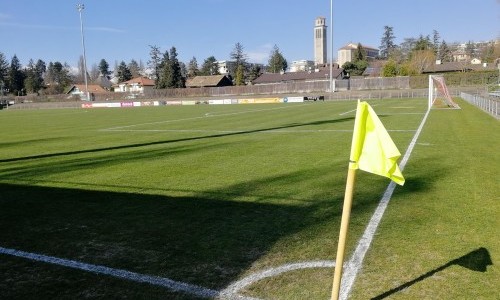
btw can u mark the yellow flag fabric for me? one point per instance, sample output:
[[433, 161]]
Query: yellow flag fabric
[[372, 148]]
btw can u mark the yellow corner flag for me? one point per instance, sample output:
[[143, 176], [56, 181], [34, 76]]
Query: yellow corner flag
[[372, 148]]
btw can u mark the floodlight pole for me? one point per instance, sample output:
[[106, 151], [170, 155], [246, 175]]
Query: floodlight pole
[[80, 8], [332, 81]]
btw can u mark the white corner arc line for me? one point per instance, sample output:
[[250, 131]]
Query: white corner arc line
[[354, 264], [123, 274], [237, 286]]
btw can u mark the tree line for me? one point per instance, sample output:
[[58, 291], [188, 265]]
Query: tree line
[[164, 67], [410, 57], [414, 55]]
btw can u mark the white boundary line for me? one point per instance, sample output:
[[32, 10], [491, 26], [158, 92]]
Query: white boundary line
[[249, 130], [231, 292], [237, 286], [123, 274], [210, 115], [354, 264]]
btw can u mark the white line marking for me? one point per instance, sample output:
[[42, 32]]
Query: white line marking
[[237, 286], [249, 130], [354, 264], [201, 117], [346, 112], [154, 280], [238, 131]]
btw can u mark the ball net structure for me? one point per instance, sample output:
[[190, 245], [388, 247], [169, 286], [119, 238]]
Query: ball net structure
[[439, 95]]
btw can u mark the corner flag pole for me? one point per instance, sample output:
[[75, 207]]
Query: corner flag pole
[[344, 226], [373, 151]]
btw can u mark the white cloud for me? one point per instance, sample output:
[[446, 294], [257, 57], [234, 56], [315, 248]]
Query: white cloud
[[261, 54], [4, 17]]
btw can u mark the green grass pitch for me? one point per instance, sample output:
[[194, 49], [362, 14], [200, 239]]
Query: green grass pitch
[[209, 194]]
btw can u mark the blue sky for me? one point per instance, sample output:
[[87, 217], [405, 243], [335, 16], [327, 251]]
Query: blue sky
[[123, 30]]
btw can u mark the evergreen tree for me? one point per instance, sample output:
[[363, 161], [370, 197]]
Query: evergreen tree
[[209, 67], [240, 75], [124, 73], [164, 75], [58, 77], [183, 71], [177, 79], [34, 80], [29, 81], [104, 68], [359, 62], [445, 54], [192, 69], [359, 54], [240, 59], [155, 62], [387, 42], [16, 77], [133, 66], [407, 47], [171, 75], [41, 68], [435, 41], [255, 71], [4, 71], [423, 43], [277, 62]]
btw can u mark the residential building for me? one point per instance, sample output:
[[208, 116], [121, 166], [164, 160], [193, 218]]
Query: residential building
[[346, 53], [209, 81], [135, 86], [301, 65], [80, 90], [459, 66], [322, 73], [225, 66]]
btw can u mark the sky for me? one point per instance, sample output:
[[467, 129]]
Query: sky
[[124, 30]]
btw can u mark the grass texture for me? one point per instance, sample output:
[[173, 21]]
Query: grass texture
[[210, 194]]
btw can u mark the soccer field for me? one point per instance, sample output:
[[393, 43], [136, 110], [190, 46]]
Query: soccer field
[[182, 202]]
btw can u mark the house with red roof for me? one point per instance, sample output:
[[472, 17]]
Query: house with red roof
[[135, 85], [80, 90]]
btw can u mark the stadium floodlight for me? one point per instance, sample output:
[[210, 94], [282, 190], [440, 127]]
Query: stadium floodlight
[[332, 81], [80, 8]]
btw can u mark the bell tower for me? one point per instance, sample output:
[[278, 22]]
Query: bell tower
[[320, 50]]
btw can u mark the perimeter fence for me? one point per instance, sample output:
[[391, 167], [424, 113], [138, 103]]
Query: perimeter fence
[[485, 103]]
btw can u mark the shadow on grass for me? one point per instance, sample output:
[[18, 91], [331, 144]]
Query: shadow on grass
[[477, 260], [197, 240], [131, 146]]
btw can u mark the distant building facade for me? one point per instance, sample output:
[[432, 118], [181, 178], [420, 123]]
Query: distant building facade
[[320, 42], [301, 65], [136, 85], [209, 81], [225, 66], [346, 53]]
